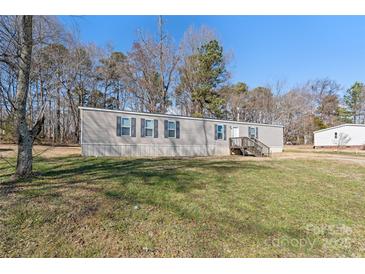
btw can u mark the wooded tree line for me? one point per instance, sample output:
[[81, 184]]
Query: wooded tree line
[[188, 77]]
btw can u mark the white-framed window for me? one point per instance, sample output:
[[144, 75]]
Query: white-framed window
[[335, 135], [149, 128], [172, 129], [126, 126], [220, 132]]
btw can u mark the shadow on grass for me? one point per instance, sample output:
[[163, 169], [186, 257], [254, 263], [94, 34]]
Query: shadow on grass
[[171, 174], [73, 170], [151, 181]]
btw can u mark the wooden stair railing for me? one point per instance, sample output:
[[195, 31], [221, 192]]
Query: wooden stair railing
[[265, 149], [246, 144]]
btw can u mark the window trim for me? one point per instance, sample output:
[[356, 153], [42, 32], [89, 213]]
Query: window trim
[[250, 135], [146, 128], [168, 128], [217, 133], [130, 126]]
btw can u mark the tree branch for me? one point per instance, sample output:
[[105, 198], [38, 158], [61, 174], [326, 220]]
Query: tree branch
[[39, 123]]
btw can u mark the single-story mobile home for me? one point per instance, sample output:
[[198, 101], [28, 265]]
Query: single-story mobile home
[[346, 135], [107, 132]]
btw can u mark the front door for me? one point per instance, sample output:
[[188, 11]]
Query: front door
[[235, 132]]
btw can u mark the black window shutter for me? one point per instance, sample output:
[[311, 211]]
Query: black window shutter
[[215, 132], [257, 132], [155, 130], [249, 132], [119, 130], [166, 128], [142, 127], [225, 132], [133, 127], [177, 130]]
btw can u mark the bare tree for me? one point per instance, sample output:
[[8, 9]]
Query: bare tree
[[260, 105], [295, 111], [110, 76], [25, 136], [342, 140], [325, 92], [235, 97], [151, 71]]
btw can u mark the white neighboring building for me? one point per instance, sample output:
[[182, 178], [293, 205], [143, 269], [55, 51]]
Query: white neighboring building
[[348, 135]]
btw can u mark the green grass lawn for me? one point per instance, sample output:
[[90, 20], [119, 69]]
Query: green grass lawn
[[109, 207]]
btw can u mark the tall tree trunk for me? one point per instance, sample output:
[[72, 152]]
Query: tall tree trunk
[[50, 128], [24, 138], [105, 95], [58, 116], [43, 101], [163, 108]]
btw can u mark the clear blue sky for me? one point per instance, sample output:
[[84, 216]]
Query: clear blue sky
[[266, 48]]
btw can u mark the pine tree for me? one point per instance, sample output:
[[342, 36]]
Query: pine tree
[[353, 100], [211, 73]]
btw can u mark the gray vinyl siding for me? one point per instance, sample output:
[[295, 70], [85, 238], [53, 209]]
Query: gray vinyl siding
[[197, 136]]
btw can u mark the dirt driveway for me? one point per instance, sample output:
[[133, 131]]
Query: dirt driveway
[[306, 152], [10, 150]]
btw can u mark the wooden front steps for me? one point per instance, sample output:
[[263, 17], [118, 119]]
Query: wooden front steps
[[247, 146]]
